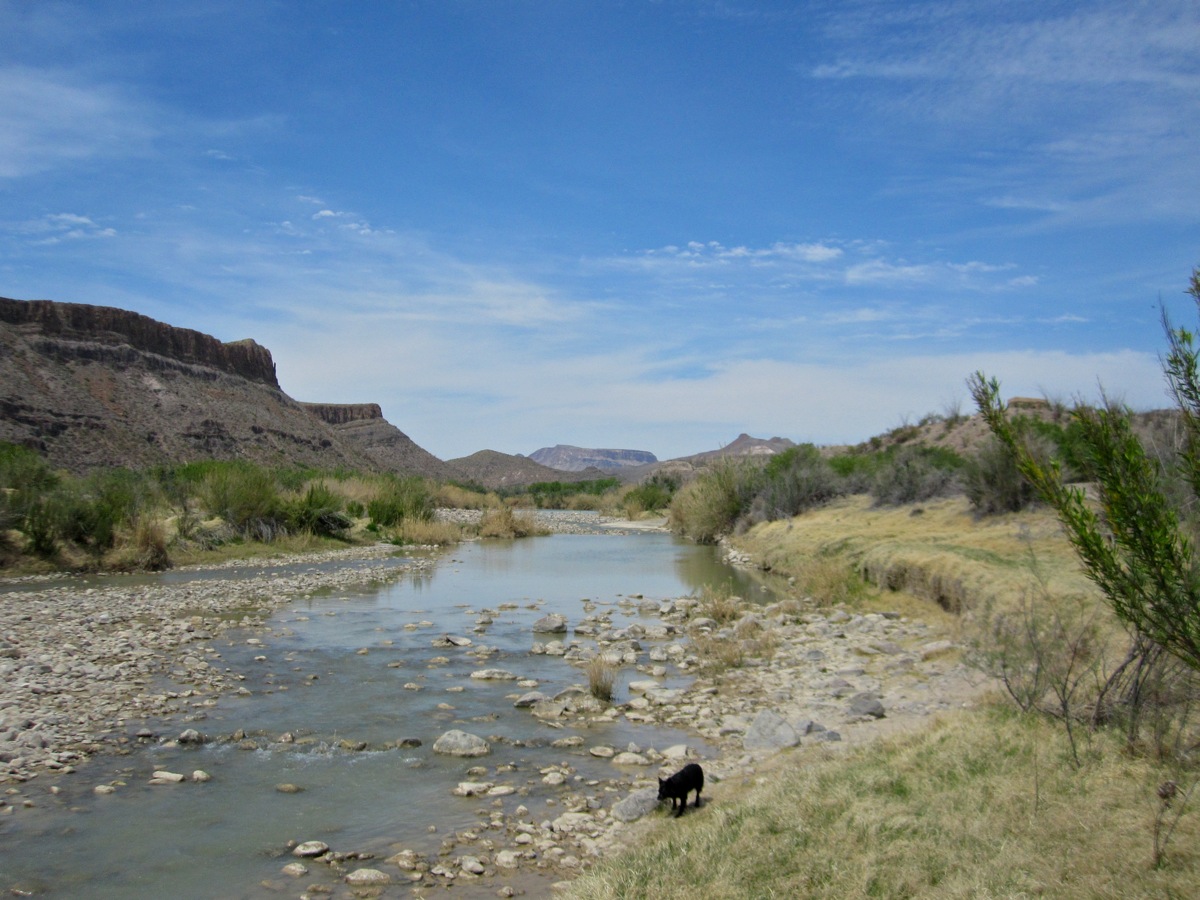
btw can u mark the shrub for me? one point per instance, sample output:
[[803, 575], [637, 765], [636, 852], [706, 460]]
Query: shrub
[[914, 475], [421, 532], [246, 497], [400, 499], [994, 484], [652, 494], [319, 512], [707, 507], [796, 480], [504, 523]]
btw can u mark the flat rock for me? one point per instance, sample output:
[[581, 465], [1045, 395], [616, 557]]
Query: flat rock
[[367, 878], [770, 731], [461, 743], [310, 849], [636, 805], [554, 623]]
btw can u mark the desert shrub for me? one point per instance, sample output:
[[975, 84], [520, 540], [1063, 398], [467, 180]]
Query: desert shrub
[[400, 499], [25, 480], [558, 494], [91, 512], [246, 497], [652, 494], [505, 523], [994, 484], [707, 507], [318, 511], [914, 475], [796, 480], [858, 469]]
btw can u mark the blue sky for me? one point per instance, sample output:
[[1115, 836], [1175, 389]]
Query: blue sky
[[649, 225]]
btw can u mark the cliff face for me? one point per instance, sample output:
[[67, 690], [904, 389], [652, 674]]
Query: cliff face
[[92, 387], [102, 333], [344, 413]]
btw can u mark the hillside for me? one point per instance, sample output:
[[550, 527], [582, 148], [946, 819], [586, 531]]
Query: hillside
[[494, 470], [363, 427], [95, 387]]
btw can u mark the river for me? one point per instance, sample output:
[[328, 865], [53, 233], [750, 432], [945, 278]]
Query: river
[[339, 671]]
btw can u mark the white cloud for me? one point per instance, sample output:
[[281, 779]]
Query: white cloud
[[49, 118]]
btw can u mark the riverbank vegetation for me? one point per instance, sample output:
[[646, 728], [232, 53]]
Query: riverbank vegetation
[[1078, 777], [207, 511], [1073, 777]]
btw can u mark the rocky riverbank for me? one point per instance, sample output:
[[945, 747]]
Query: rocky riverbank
[[80, 668], [791, 675], [79, 664]]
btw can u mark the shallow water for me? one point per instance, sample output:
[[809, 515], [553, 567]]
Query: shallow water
[[224, 837]]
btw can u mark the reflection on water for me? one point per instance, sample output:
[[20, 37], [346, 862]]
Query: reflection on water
[[355, 666]]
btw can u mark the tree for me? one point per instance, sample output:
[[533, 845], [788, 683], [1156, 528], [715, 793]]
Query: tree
[[1133, 543]]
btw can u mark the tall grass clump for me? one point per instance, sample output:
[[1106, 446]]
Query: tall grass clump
[[424, 533], [602, 677], [246, 496], [706, 508], [400, 499], [505, 523], [319, 512]]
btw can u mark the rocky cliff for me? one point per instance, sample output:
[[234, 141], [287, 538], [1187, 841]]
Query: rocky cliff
[[92, 387], [73, 331]]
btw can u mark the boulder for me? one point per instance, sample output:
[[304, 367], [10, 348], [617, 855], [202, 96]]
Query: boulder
[[770, 731], [554, 623], [460, 743], [636, 805], [866, 704]]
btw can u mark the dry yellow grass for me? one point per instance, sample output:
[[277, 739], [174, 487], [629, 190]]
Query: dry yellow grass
[[983, 804], [941, 553]]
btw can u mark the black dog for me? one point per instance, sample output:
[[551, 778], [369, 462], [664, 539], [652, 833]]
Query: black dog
[[689, 778]]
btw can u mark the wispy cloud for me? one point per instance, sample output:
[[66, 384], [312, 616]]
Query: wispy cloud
[[50, 117], [1097, 104]]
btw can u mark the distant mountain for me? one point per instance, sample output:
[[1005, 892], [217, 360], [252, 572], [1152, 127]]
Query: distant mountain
[[576, 459], [493, 469], [745, 445]]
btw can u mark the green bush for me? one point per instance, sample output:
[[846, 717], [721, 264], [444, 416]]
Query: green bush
[[246, 497], [654, 493], [916, 474], [794, 481], [707, 507], [319, 511], [400, 499], [994, 484], [25, 479]]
